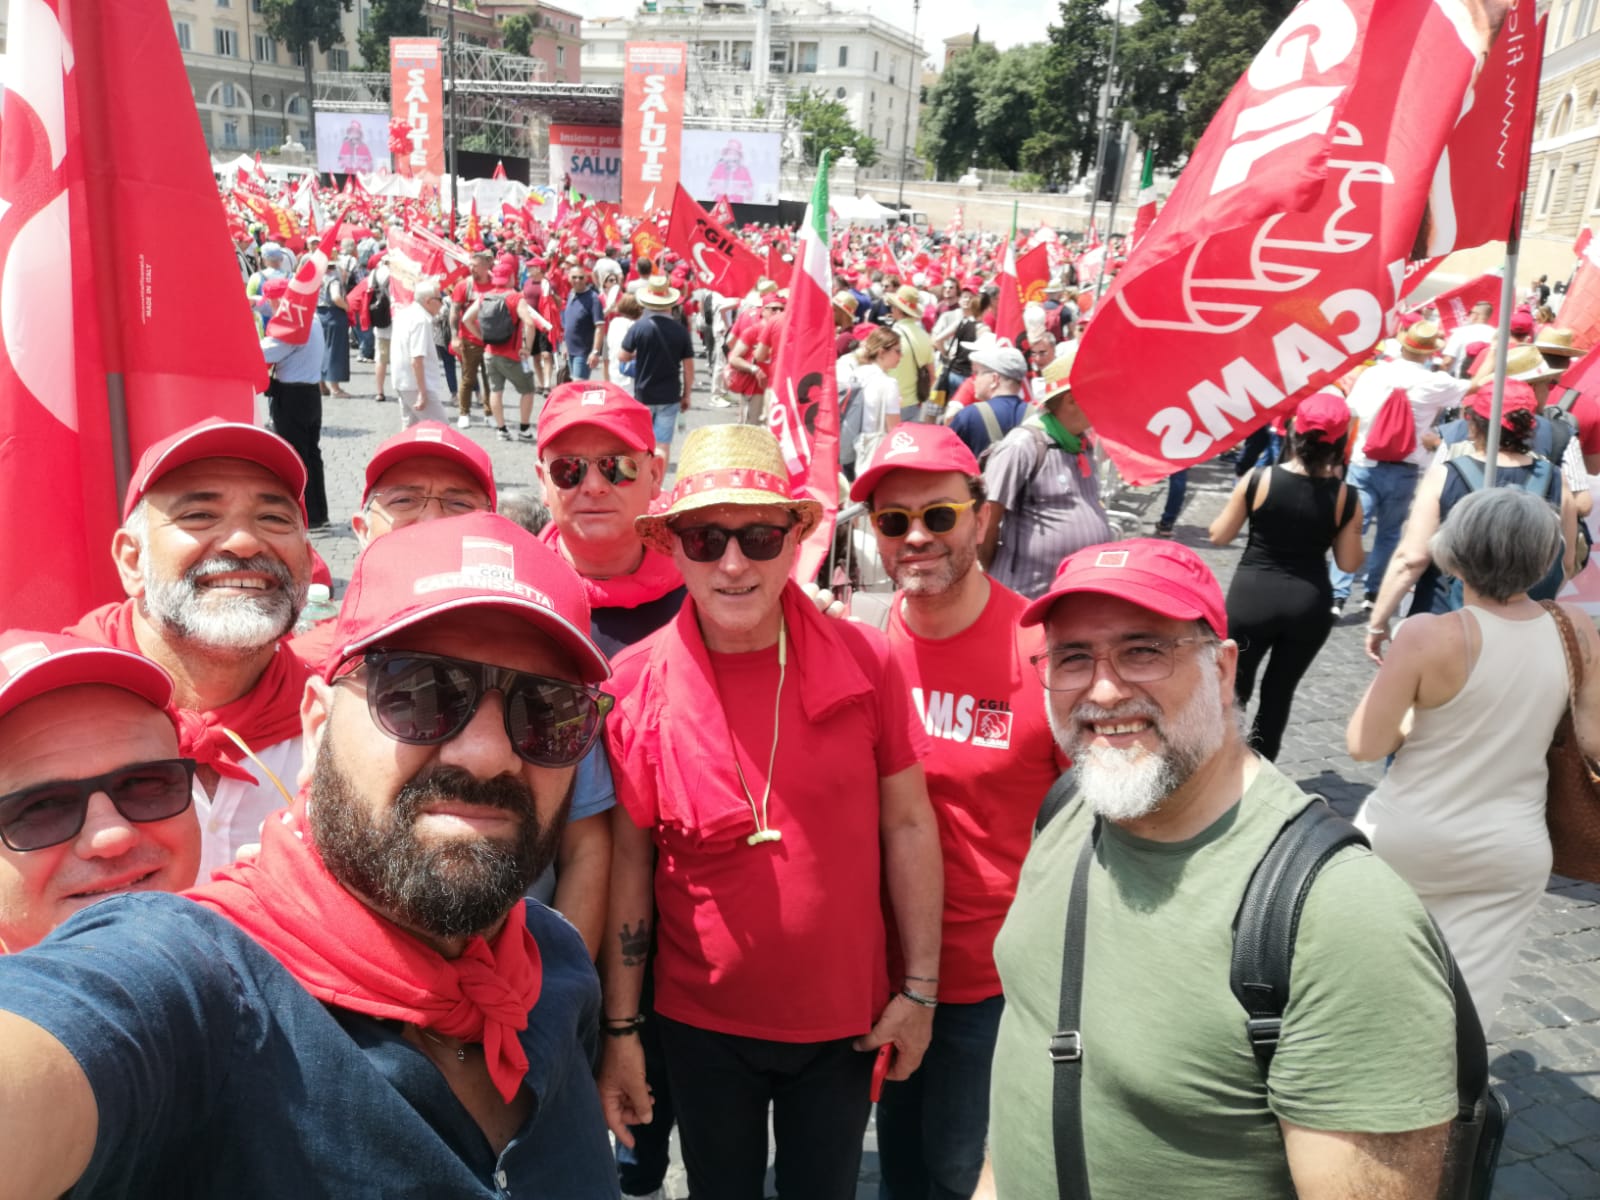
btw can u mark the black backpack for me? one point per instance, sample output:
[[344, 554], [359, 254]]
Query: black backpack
[[379, 311], [1264, 929], [495, 324]]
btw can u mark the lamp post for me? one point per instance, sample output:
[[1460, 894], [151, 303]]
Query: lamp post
[[450, 108], [1108, 99], [911, 84]]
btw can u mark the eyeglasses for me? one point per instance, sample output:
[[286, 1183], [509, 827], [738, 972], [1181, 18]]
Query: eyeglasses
[[425, 699], [567, 470], [708, 543], [51, 813], [936, 518], [1141, 660], [412, 502]]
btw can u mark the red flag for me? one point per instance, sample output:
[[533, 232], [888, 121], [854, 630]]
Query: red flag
[[722, 212], [1008, 305], [291, 319], [499, 169], [417, 253], [261, 172], [887, 263], [280, 222], [1416, 272], [111, 231], [776, 267], [647, 242], [1280, 252], [473, 238], [1033, 273], [1455, 306], [718, 260], [1580, 308]]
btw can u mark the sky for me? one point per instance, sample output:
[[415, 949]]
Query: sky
[[1002, 23]]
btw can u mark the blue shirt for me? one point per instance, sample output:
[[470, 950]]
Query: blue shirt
[[296, 364], [660, 346], [969, 427], [578, 320], [216, 1074]]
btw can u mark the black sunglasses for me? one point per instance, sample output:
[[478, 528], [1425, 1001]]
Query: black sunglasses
[[51, 813], [567, 470], [936, 518], [424, 699], [708, 543]]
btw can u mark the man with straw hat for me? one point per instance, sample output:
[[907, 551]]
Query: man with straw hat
[[770, 756], [659, 347]]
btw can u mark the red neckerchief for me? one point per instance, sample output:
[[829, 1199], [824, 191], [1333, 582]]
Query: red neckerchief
[[346, 955], [655, 576], [267, 714]]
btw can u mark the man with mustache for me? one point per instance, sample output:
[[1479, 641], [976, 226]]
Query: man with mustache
[[1138, 679], [214, 558], [368, 1008]]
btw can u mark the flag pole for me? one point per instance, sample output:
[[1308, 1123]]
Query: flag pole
[[1502, 347]]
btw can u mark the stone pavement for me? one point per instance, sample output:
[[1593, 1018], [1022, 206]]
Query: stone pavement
[[1545, 1052]]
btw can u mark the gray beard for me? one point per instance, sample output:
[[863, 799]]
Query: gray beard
[[233, 624]]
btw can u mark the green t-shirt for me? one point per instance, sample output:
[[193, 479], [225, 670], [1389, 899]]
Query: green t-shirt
[[1174, 1102]]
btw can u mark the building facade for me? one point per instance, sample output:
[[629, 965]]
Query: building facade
[[1563, 185], [557, 35]]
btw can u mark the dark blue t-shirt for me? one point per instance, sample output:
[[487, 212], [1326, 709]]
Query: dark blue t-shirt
[[578, 320], [659, 344], [970, 428], [216, 1074], [614, 629]]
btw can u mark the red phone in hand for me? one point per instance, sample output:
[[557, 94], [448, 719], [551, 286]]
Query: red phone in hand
[[880, 1069]]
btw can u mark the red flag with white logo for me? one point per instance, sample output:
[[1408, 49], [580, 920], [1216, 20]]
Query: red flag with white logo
[[291, 319], [110, 229], [717, 259], [1278, 259], [722, 212], [1455, 306]]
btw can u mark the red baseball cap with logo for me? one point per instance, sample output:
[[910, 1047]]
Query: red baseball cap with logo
[[1159, 575], [216, 438], [914, 446], [1325, 413], [432, 439], [32, 664], [466, 564], [602, 405]]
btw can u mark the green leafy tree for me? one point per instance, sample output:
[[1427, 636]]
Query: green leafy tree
[[1153, 70], [390, 19], [825, 125], [516, 33], [950, 133], [300, 24], [1066, 127], [1006, 106], [1220, 40]]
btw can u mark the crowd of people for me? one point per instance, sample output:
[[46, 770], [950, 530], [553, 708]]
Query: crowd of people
[[584, 820]]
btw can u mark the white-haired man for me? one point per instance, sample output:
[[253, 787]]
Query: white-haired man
[[415, 372]]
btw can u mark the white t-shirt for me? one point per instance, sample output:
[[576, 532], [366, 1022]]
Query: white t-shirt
[[1430, 393], [232, 817], [616, 330], [880, 396], [412, 334]]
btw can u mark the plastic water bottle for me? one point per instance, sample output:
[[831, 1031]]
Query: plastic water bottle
[[319, 607]]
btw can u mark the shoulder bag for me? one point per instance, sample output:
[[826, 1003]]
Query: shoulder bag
[[1572, 804]]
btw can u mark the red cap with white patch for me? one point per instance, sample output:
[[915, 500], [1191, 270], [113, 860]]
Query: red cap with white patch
[[432, 439], [216, 438], [1159, 575], [602, 405], [915, 446], [32, 664]]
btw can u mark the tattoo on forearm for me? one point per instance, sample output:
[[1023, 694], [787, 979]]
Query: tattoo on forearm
[[635, 943]]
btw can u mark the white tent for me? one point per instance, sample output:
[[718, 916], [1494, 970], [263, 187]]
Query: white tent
[[860, 210]]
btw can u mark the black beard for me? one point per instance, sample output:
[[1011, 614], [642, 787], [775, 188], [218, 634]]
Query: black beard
[[451, 888]]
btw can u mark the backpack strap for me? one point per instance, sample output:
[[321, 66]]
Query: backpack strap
[[1470, 470], [991, 422], [1057, 798], [1066, 1047]]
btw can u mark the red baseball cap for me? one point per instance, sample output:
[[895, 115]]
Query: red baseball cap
[[1518, 396], [431, 439], [1163, 576], [603, 405], [273, 289], [32, 664], [1323, 412], [216, 438], [467, 563], [915, 446], [1522, 322]]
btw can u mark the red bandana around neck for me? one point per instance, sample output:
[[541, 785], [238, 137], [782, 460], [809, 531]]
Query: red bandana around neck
[[349, 956], [655, 576], [267, 714]]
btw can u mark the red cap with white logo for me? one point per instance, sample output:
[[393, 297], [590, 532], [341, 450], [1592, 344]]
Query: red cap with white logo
[[915, 446], [466, 564], [1159, 575], [603, 405], [32, 664], [432, 439], [216, 438]]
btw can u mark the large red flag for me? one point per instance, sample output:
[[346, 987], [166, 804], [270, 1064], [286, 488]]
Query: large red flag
[[803, 391], [291, 319], [1033, 273], [119, 290], [1580, 308], [719, 260], [1278, 259], [1008, 305], [1455, 306], [280, 222]]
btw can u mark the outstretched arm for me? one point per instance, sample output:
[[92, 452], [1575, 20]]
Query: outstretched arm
[[48, 1117]]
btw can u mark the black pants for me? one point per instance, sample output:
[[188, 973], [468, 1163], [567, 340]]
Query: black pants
[[1288, 617], [296, 412], [722, 1085]]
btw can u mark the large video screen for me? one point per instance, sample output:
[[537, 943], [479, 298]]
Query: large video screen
[[741, 166], [349, 141]]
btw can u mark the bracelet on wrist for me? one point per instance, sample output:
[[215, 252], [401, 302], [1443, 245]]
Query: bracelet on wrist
[[622, 1026], [924, 978], [919, 999], [1383, 629]]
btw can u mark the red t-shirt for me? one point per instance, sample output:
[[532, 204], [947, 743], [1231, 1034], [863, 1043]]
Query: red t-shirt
[[784, 940], [747, 328], [514, 302], [463, 296], [992, 761], [1586, 412]]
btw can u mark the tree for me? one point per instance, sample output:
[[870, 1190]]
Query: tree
[[825, 125], [1221, 40], [516, 33], [1154, 70], [300, 23], [389, 19], [1007, 103], [950, 133], [1066, 126]]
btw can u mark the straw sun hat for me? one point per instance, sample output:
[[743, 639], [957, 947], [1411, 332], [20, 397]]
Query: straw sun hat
[[727, 464]]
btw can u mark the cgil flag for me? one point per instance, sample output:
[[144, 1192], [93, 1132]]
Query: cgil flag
[[1455, 306], [1278, 259], [803, 391], [111, 229], [718, 260]]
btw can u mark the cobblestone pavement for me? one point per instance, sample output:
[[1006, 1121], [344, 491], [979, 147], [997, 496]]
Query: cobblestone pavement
[[1545, 1052]]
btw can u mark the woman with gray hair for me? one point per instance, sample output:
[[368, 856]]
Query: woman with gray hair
[[1467, 702]]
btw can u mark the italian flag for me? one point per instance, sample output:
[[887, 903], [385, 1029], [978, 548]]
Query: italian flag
[[1008, 305], [803, 393], [1146, 214]]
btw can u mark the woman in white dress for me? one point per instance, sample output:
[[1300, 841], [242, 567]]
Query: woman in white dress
[[628, 310], [880, 394], [1467, 703]]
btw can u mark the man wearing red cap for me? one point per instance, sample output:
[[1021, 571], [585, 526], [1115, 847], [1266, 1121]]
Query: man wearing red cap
[[954, 633], [369, 1007], [1171, 818], [86, 818], [214, 558]]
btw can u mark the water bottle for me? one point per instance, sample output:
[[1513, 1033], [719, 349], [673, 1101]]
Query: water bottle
[[319, 607]]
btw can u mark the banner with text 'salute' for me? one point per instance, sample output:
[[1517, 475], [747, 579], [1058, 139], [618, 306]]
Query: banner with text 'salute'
[[653, 78], [1278, 258], [416, 86]]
